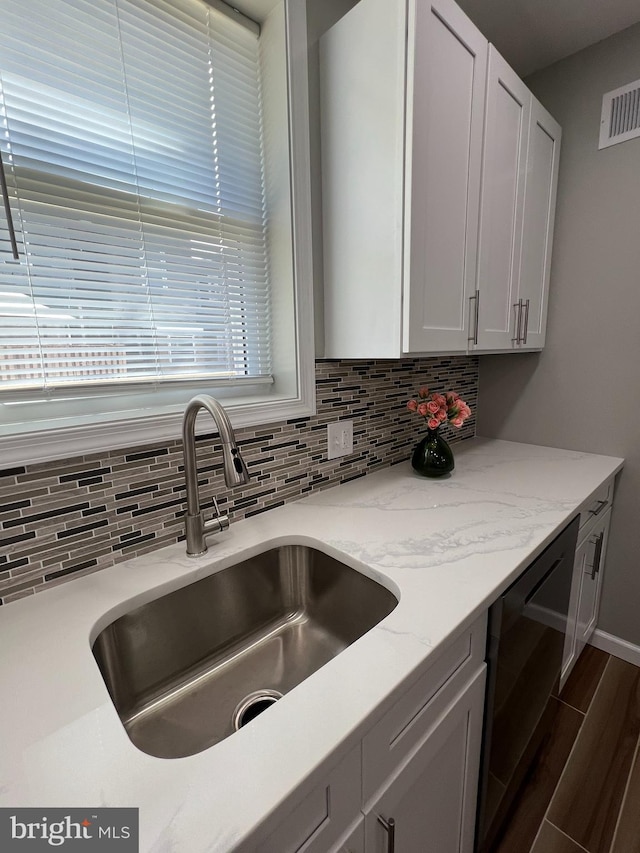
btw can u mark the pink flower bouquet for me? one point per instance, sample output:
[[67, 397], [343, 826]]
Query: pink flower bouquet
[[438, 409]]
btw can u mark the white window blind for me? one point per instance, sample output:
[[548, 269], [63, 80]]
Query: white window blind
[[130, 132]]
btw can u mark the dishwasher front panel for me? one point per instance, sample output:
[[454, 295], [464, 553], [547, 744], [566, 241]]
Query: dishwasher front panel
[[527, 627]]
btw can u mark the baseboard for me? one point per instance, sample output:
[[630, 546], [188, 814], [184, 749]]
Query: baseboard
[[616, 646]]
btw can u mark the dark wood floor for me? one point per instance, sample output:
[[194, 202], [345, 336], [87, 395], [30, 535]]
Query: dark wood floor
[[583, 794]]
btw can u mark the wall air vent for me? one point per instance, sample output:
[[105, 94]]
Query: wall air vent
[[620, 115]]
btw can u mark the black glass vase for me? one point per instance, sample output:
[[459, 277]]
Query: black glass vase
[[433, 457]]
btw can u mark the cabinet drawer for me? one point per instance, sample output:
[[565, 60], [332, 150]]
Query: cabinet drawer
[[324, 818], [595, 507], [402, 729]]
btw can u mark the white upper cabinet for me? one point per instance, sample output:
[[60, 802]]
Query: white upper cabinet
[[519, 180], [402, 113], [439, 177], [503, 186], [362, 71], [446, 81], [537, 228]]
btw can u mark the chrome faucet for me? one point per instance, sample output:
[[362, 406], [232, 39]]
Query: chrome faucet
[[235, 472]]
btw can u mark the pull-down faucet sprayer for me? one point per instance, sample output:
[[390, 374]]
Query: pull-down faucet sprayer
[[235, 472]]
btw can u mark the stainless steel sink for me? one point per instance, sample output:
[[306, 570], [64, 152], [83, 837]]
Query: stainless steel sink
[[188, 669]]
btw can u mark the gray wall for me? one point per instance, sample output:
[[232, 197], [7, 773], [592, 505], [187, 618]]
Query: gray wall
[[583, 391]]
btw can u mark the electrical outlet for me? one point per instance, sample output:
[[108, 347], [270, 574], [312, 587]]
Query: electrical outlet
[[339, 439]]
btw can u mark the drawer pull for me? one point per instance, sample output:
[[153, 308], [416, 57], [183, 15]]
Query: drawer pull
[[389, 827], [599, 508], [597, 554]]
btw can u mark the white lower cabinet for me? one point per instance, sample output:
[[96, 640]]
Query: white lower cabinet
[[591, 564], [588, 569], [324, 816], [418, 765], [430, 804]]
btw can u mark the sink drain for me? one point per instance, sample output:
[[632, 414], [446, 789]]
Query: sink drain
[[252, 705]]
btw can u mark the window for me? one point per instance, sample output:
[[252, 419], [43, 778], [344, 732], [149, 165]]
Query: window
[[141, 142]]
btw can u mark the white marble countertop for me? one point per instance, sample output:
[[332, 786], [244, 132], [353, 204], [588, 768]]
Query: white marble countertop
[[446, 548]]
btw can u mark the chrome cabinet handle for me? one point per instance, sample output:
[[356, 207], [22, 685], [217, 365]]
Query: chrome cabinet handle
[[477, 315], [389, 827], [473, 339], [600, 507], [526, 322], [7, 210], [518, 320], [597, 554]]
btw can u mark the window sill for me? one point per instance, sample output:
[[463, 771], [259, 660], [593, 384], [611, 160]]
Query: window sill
[[98, 434]]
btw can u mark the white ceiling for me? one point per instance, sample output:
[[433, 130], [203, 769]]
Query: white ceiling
[[532, 34]]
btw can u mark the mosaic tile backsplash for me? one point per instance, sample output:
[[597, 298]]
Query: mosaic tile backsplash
[[60, 520]]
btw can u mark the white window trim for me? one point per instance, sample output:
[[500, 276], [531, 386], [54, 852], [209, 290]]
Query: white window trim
[[47, 444]]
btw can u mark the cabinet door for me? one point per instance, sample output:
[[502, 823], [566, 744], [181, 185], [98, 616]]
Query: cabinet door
[[446, 80], [569, 656], [432, 799], [586, 587], [591, 582], [537, 227], [503, 184], [328, 813]]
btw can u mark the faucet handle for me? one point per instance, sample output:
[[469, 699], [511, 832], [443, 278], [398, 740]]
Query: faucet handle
[[217, 523]]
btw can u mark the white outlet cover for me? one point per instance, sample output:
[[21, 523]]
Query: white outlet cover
[[339, 439]]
